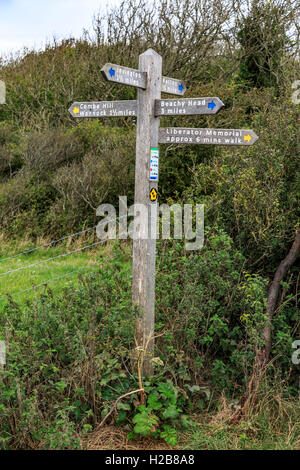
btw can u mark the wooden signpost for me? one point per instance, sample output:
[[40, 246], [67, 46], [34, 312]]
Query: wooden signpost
[[148, 108]]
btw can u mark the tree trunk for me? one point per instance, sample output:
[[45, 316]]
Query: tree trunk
[[263, 354]]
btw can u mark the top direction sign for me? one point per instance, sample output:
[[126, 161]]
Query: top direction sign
[[124, 75], [132, 77]]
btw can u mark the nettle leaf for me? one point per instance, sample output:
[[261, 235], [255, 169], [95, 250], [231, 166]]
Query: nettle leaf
[[153, 401], [142, 408], [171, 412], [167, 391], [169, 435], [145, 423], [132, 435]]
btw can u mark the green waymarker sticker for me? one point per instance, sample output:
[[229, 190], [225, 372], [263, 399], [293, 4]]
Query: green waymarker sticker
[[154, 159]]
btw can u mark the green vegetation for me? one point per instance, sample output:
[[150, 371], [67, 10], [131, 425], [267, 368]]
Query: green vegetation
[[273, 425], [79, 262], [70, 344]]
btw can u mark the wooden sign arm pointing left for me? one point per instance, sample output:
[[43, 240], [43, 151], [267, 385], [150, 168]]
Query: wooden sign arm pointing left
[[125, 75]]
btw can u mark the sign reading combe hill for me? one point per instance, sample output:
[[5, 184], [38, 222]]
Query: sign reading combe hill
[[186, 135], [104, 109]]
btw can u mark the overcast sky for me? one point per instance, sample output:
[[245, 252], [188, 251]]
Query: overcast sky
[[31, 23]]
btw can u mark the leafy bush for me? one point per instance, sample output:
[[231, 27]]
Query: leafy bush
[[161, 415], [212, 312], [65, 360]]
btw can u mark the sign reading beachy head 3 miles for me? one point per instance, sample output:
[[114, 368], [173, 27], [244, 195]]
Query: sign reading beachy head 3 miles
[[188, 106]]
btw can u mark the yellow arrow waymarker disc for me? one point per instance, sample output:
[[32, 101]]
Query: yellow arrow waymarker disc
[[153, 194]]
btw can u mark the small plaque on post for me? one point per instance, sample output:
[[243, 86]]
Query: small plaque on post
[[154, 160]]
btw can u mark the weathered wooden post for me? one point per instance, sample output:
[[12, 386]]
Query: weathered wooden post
[[2, 92], [144, 240]]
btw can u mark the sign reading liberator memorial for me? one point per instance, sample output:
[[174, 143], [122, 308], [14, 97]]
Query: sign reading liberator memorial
[[148, 108], [187, 135]]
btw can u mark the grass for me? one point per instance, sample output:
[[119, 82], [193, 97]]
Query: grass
[[81, 262], [273, 424]]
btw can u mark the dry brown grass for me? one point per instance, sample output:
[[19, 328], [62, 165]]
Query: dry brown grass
[[114, 438]]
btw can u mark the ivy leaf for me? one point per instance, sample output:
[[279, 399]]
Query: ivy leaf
[[122, 415]]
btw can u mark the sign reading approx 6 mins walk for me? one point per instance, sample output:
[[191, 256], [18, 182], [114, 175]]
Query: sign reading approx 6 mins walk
[[186, 135], [148, 108]]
